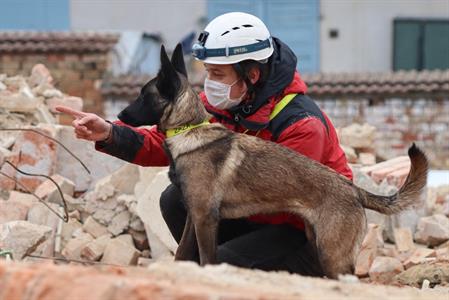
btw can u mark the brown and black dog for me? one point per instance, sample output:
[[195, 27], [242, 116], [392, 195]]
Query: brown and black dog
[[223, 174]]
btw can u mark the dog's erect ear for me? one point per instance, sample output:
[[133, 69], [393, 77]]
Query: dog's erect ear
[[177, 60], [168, 81]]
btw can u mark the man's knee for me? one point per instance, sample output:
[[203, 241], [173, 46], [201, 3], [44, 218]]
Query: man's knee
[[170, 201], [173, 211]]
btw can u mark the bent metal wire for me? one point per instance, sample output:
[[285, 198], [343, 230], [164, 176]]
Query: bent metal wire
[[65, 218]]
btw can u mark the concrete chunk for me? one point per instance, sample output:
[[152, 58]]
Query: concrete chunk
[[368, 251], [160, 239], [41, 215], [94, 228], [24, 198], [126, 238], [22, 237], [384, 269], [12, 211], [68, 229], [118, 252], [403, 239], [74, 246], [442, 253], [433, 230], [119, 222]]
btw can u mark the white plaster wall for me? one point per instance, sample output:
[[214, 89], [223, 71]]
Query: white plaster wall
[[174, 19], [366, 31]]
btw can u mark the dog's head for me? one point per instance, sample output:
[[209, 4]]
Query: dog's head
[[166, 100]]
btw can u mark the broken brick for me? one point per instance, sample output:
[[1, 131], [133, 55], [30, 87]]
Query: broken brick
[[121, 253], [49, 191]]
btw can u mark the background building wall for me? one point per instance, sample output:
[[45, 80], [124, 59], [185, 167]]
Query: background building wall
[[365, 31], [174, 19], [399, 123]]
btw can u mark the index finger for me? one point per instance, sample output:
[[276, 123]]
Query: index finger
[[70, 111]]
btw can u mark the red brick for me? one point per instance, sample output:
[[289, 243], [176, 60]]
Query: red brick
[[34, 154]]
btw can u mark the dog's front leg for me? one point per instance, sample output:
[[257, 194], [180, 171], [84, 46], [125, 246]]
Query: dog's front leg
[[188, 248], [206, 227]]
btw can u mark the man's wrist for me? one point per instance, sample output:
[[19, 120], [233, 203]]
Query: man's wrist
[[108, 139]]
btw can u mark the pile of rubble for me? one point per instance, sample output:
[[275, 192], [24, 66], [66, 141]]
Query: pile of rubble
[[102, 209], [29, 101], [113, 211], [103, 225], [409, 248]]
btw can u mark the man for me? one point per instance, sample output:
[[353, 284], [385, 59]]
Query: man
[[251, 87]]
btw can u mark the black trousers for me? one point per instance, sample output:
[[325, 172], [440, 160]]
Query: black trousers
[[247, 244]]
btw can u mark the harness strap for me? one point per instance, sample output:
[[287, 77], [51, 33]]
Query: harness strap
[[182, 129]]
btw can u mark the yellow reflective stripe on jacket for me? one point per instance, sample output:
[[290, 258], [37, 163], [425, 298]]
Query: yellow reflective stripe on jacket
[[280, 106]]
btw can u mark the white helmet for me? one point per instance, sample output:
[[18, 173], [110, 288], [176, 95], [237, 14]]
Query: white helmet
[[232, 38]]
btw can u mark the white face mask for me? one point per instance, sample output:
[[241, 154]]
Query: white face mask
[[218, 94]]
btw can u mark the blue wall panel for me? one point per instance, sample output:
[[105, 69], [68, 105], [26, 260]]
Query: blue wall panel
[[34, 15]]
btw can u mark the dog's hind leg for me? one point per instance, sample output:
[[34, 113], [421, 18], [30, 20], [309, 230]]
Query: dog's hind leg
[[188, 247], [337, 245]]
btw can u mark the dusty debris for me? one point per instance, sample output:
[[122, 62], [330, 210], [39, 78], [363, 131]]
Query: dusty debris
[[437, 273], [94, 228]]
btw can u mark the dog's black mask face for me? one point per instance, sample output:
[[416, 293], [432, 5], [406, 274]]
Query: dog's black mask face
[[157, 94]]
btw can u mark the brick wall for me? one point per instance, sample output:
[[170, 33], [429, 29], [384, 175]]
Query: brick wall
[[399, 122], [76, 74]]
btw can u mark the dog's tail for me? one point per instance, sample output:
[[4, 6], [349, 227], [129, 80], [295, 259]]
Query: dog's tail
[[408, 194]]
